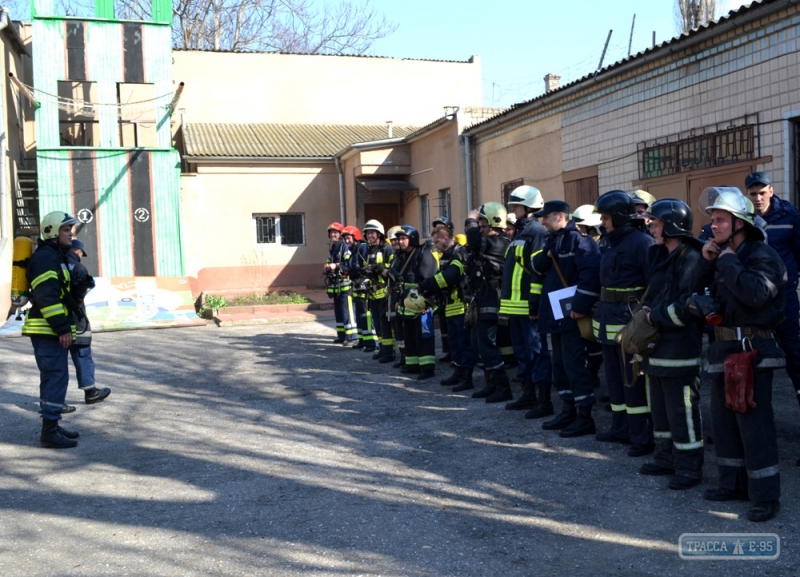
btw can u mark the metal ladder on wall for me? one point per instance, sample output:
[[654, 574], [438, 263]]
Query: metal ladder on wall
[[26, 203]]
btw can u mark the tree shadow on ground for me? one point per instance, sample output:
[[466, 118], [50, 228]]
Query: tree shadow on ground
[[289, 452]]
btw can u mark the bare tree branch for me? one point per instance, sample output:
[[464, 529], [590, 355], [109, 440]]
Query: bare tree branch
[[692, 14], [302, 26]]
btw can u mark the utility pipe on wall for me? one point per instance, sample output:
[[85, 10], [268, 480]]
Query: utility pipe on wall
[[342, 218], [468, 169]]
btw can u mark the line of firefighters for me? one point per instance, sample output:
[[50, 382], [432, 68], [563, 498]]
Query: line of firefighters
[[558, 287]]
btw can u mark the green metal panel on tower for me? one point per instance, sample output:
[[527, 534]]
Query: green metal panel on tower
[[90, 156], [167, 208], [104, 8], [162, 11]]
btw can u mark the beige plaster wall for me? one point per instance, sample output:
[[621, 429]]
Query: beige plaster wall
[[531, 152], [435, 163], [25, 72], [12, 135], [315, 89], [218, 204]]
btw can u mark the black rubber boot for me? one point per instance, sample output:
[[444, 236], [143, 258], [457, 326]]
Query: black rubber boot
[[502, 390], [454, 379], [565, 418], [95, 395], [526, 401], [425, 374], [583, 425], [466, 383], [386, 354], [69, 434], [544, 406], [487, 390], [402, 361], [53, 438]]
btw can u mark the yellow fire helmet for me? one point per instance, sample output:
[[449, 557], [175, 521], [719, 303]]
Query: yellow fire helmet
[[415, 303], [391, 234], [642, 197], [53, 222], [494, 213]]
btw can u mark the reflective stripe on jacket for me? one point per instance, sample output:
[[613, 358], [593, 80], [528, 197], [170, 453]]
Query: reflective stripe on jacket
[[49, 277], [673, 278]]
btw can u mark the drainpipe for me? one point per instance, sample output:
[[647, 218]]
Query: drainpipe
[[468, 167], [342, 218], [3, 155], [184, 162]]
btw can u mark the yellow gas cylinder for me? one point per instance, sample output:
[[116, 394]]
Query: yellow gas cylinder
[[23, 250]]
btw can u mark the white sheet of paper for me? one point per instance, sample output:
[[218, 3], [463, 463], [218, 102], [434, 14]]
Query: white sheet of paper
[[561, 301]]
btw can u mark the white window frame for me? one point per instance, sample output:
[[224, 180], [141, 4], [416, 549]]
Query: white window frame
[[278, 236]]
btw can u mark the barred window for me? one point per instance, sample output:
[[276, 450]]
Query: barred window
[[287, 229], [444, 203], [424, 215], [714, 146], [508, 187], [291, 229]]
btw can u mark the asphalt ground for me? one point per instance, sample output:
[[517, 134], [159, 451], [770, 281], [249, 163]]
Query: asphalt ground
[[267, 450]]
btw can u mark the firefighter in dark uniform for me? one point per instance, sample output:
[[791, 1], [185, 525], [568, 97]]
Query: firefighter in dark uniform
[[748, 292], [569, 259], [81, 349], [441, 310], [783, 230], [588, 223], [623, 266], [448, 282], [379, 258], [339, 287], [354, 264], [51, 324], [673, 368], [419, 264], [394, 286], [534, 369], [487, 244]]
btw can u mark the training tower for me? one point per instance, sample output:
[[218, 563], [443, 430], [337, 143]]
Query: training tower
[[104, 98]]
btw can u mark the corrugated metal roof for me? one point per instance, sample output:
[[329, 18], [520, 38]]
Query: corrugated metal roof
[[470, 60], [674, 43], [280, 140]]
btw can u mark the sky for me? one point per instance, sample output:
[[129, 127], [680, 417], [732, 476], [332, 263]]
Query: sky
[[519, 41]]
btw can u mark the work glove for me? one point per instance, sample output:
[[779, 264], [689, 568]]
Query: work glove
[[739, 381]]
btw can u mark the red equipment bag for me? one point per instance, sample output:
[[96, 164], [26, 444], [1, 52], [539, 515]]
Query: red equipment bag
[[739, 381]]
